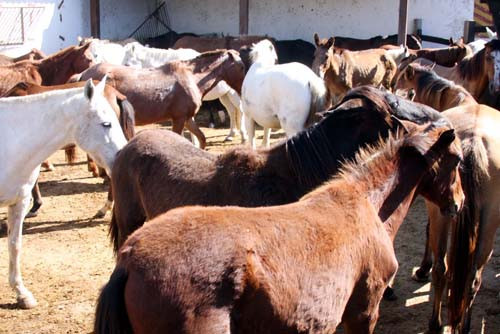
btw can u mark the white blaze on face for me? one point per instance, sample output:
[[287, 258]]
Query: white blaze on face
[[496, 70]]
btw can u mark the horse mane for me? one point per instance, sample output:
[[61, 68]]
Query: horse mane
[[314, 154], [433, 87], [471, 68], [61, 54], [263, 52], [20, 85]]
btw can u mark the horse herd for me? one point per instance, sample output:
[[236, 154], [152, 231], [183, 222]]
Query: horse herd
[[291, 238]]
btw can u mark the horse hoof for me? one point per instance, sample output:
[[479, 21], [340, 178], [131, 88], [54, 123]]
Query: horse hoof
[[228, 138], [390, 295], [100, 214], [31, 214], [435, 329], [49, 168], [420, 276], [26, 302]]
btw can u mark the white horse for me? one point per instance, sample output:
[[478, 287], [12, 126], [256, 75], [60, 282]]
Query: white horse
[[139, 56], [105, 51], [479, 44], [31, 129], [275, 96]]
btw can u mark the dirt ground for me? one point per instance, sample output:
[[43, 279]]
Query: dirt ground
[[67, 257]]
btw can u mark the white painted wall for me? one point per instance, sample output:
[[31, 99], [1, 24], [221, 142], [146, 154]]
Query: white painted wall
[[70, 21], [119, 18], [202, 17], [290, 19]]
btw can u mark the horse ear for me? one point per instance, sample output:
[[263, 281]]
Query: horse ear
[[100, 86], [88, 90], [396, 122], [79, 39], [316, 39], [330, 42], [451, 41], [410, 72]]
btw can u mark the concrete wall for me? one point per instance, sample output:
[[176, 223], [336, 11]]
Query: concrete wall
[[300, 19], [120, 18], [69, 21]]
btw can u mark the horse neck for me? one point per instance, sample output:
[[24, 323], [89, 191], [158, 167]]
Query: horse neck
[[207, 77], [47, 127], [57, 69], [390, 183]]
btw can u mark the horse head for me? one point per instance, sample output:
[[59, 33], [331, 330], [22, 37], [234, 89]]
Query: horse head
[[321, 54], [264, 53], [492, 65], [98, 124], [234, 70]]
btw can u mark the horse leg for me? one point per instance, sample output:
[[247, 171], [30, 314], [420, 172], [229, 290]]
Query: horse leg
[[107, 206], [92, 166], [438, 240], [266, 138], [37, 201], [239, 118], [422, 273], [195, 130], [212, 321], [365, 320], [489, 222], [15, 219], [226, 102], [250, 126]]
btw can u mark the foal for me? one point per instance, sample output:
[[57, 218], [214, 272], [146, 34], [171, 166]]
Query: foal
[[304, 267], [343, 70]]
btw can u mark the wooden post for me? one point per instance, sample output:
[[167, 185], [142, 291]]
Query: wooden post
[[244, 17], [418, 27], [95, 19], [403, 20], [469, 31]]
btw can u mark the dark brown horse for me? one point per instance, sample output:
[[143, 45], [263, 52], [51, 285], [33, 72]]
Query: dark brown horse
[[55, 69], [34, 54], [480, 172], [167, 164], [123, 109], [304, 267], [204, 44], [356, 44], [174, 90]]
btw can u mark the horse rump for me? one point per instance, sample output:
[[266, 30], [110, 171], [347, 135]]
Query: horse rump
[[111, 314]]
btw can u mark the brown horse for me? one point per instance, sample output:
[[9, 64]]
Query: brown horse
[[204, 44], [174, 90], [167, 164], [448, 57], [473, 242], [55, 69], [476, 73], [123, 109], [343, 70], [304, 267], [34, 54], [356, 44], [431, 89]]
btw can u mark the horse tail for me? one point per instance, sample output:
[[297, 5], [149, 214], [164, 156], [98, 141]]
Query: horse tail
[[465, 231], [111, 315], [114, 231], [70, 152], [320, 100], [127, 118]]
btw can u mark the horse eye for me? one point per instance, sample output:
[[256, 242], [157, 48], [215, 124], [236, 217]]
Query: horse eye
[[106, 124]]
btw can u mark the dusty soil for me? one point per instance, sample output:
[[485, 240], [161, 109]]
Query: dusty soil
[[67, 258]]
